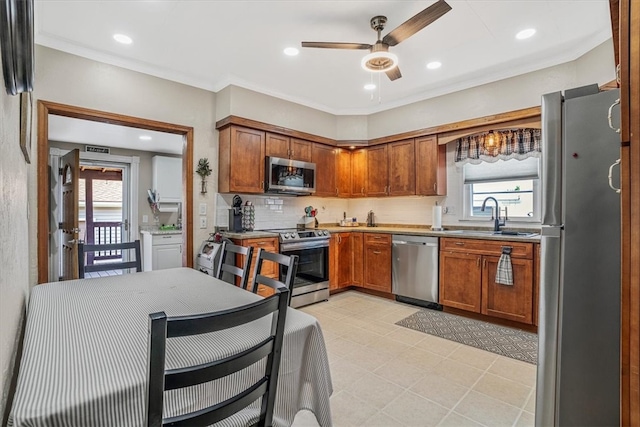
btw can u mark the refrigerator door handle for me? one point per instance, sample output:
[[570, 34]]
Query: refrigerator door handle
[[609, 115], [616, 163]]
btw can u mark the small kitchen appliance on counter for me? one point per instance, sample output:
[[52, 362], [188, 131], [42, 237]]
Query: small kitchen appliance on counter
[[235, 215]]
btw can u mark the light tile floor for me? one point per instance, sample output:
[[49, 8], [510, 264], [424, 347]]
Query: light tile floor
[[388, 375]]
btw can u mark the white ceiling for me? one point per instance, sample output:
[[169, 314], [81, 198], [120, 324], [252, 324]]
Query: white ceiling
[[211, 44], [87, 132]]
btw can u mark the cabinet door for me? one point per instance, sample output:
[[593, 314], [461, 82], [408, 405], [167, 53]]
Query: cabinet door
[[508, 301], [325, 159], [333, 261], [167, 256], [357, 260], [167, 178], [377, 171], [431, 167], [300, 150], [277, 145], [377, 266], [247, 160], [344, 260], [269, 244], [460, 276], [359, 173], [343, 175], [402, 168]]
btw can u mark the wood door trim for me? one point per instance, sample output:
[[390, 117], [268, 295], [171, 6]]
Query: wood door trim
[[44, 109]]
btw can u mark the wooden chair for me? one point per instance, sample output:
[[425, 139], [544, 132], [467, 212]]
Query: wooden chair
[[162, 327], [242, 273], [290, 262], [120, 265]]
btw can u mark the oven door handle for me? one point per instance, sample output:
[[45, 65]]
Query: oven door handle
[[294, 246]]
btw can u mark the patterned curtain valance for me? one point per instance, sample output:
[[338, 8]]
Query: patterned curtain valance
[[508, 144]]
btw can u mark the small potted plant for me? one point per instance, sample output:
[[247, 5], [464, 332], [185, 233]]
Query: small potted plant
[[204, 171]]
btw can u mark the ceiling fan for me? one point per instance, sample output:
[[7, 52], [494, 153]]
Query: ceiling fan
[[380, 59]]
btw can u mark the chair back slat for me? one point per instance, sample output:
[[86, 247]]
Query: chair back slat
[[84, 249], [290, 262], [181, 326], [223, 410], [194, 375], [242, 272]]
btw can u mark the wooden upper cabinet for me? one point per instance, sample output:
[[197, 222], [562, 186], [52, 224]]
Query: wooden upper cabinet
[[300, 150], [402, 168], [359, 173], [277, 145], [343, 174], [377, 171], [241, 160], [431, 167], [287, 148], [324, 157]]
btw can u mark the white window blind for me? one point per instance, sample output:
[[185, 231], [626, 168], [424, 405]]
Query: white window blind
[[502, 169]]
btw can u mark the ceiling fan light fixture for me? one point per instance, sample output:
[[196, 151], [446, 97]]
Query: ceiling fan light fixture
[[379, 62]]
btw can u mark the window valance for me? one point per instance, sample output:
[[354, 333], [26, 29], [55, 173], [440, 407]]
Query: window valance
[[498, 145]]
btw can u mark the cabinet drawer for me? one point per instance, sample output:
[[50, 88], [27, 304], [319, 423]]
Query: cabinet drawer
[[166, 239], [487, 247], [377, 238]]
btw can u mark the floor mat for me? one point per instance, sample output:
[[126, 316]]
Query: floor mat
[[510, 342]]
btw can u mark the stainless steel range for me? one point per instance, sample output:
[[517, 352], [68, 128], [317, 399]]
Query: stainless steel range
[[311, 283]]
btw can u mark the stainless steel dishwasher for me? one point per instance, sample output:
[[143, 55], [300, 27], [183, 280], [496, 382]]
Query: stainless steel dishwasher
[[414, 270]]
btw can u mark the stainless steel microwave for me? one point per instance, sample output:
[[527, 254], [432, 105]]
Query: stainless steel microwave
[[285, 176]]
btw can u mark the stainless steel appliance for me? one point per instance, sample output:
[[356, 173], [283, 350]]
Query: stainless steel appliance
[[578, 378], [285, 176], [414, 270], [312, 278]]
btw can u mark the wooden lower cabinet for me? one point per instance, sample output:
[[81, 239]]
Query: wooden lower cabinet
[[467, 278], [377, 262], [269, 269], [460, 277], [357, 259], [508, 302], [340, 265]]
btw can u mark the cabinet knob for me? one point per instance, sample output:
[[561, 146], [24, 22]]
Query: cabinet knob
[[478, 262]]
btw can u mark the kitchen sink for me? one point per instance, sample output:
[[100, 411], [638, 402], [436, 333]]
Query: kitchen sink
[[492, 233]]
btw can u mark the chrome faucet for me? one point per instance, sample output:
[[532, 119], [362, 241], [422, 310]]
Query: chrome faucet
[[495, 217]]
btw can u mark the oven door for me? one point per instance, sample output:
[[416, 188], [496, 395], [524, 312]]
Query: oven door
[[313, 267]]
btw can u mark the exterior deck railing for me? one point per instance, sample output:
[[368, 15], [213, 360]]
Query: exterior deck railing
[[105, 233]]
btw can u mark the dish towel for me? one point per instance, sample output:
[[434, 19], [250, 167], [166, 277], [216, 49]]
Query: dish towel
[[504, 275]]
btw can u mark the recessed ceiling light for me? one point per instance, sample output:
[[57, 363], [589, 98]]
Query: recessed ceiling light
[[291, 51], [369, 86], [145, 137], [525, 34], [433, 65], [121, 38]]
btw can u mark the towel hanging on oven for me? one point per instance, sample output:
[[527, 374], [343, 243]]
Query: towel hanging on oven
[[504, 274]]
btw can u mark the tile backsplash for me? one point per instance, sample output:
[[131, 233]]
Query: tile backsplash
[[284, 212]]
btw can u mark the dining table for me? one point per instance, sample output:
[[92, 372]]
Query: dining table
[[85, 352]]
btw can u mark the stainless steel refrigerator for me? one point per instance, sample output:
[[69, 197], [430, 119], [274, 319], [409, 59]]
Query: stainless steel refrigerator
[[578, 378]]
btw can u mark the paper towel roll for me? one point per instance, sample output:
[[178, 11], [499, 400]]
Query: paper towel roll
[[436, 222]]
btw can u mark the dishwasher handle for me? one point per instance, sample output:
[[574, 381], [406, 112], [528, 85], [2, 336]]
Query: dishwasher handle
[[404, 242]]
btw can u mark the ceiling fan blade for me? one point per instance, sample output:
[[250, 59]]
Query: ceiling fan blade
[[416, 23], [394, 73], [332, 45]]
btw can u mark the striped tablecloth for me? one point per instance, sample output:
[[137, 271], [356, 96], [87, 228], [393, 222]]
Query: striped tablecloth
[[84, 361]]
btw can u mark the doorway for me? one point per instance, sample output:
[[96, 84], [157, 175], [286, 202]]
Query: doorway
[[45, 109]]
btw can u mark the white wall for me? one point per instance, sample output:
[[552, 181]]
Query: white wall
[[14, 247], [596, 66], [70, 79]]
